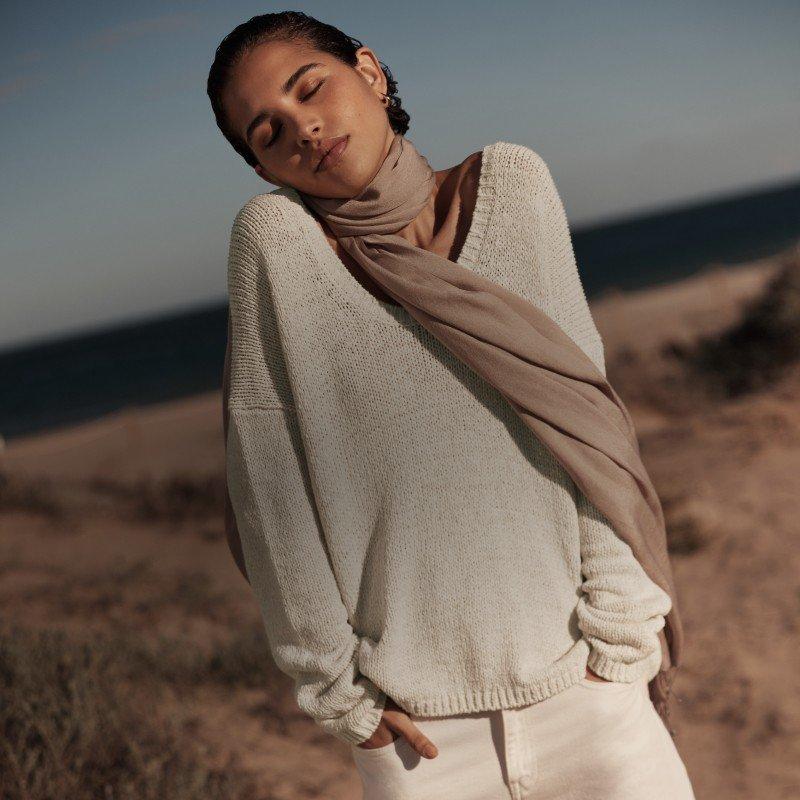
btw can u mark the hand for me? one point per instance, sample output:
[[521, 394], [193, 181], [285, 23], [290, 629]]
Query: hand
[[394, 719], [593, 676]]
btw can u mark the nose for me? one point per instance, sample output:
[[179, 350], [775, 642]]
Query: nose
[[308, 130]]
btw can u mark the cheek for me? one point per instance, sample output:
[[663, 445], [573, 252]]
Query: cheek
[[358, 102]]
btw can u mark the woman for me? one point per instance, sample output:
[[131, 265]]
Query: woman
[[428, 573]]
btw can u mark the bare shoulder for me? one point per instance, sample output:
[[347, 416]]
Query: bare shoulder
[[470, 169], [472, 166]]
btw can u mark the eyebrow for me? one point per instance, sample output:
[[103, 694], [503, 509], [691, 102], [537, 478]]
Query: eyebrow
[[262, 116]]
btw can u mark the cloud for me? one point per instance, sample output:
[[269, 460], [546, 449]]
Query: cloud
[[105, 39], [31, 56], [111, 37], [18, 85]]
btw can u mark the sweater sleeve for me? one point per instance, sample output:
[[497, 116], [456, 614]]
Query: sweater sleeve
[[621, 610], [231, 530], [282, 540]]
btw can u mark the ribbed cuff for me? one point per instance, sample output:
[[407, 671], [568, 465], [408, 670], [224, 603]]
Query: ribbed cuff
[[360, 723], [612, 670]]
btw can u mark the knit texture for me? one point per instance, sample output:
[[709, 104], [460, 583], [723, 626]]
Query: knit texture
[[404, 532]]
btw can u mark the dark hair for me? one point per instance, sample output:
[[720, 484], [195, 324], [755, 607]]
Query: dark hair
[[287, 26]]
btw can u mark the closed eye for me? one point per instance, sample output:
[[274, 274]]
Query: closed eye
[[302, 99]]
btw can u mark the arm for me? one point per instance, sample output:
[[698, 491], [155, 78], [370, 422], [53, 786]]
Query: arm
[[283, 544], [231, 531], [621, 610]]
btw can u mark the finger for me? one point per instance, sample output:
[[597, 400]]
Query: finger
[[382, 735], [415, 737]]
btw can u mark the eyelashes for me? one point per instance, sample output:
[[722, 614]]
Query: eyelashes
[[303, 99]]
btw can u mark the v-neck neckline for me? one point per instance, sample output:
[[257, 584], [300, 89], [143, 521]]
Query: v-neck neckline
[[470, 249]]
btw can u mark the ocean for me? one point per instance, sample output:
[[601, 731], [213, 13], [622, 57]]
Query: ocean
[[58, 383]]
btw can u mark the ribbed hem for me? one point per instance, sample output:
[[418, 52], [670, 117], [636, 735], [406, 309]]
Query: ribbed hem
[[625, 673], [485, 202], [562, 674], [362, 721], [360, 724]]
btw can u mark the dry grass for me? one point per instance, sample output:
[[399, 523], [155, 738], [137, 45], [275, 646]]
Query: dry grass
[[176, 499], [134, 591], [755, 353], [82, 719], [37, 495]]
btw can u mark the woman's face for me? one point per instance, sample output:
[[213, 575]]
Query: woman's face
[[286, 119]]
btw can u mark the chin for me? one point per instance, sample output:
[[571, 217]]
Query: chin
[[358, 180], [351, 176], [347, 185]]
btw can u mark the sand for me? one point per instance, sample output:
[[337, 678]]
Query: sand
[[74, 520]]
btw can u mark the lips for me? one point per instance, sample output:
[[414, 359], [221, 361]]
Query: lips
[[332, 150]]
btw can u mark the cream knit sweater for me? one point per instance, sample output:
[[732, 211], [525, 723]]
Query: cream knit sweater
[[403, 531]]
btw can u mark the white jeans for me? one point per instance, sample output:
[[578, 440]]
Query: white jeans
[[596, 740]]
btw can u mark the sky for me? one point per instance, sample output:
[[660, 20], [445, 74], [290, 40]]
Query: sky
[[118, 190]]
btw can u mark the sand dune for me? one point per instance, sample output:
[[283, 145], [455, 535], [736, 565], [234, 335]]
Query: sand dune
[[115, 527]]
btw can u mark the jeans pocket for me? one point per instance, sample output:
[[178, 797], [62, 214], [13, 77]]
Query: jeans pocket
[[604, 685], [391, 747]]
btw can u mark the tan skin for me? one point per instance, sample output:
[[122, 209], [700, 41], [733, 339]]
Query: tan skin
[[335, 99]]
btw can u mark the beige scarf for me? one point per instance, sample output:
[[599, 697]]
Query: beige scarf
[[549, 381]]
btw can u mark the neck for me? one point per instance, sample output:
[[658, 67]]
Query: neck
[[441, 226], [446, 216]]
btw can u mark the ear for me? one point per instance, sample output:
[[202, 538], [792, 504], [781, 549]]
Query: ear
[[369, 67]]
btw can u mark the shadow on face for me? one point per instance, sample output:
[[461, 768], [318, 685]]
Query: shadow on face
[[285, 99]]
